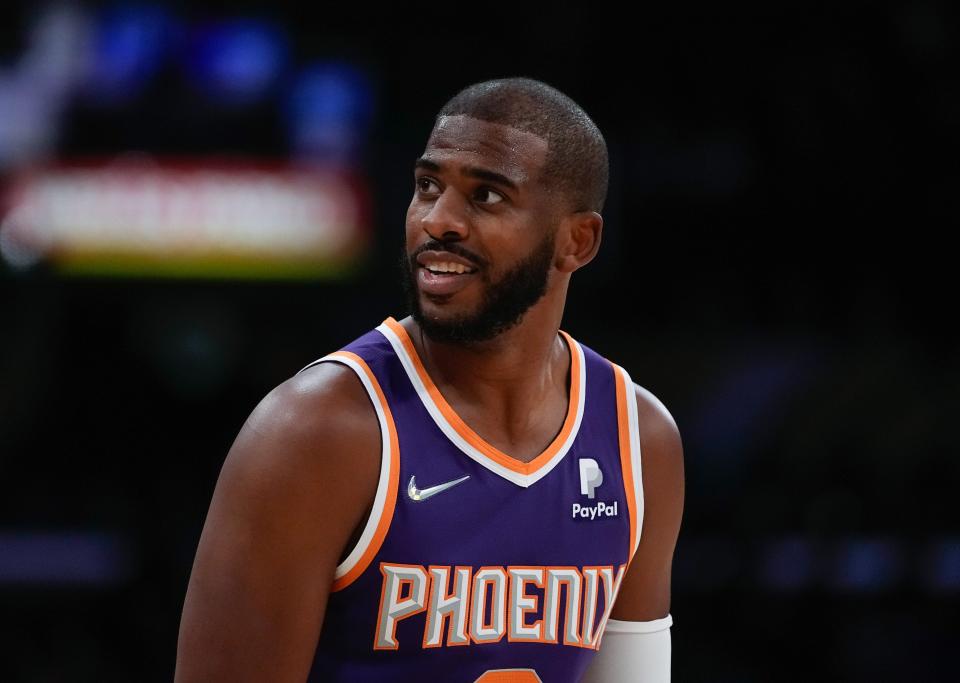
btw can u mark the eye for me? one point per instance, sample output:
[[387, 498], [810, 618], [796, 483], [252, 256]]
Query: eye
[[485, 192], [423, 184]]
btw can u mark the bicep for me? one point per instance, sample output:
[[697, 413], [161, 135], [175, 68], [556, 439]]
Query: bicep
[[645, 592], [282, 511]]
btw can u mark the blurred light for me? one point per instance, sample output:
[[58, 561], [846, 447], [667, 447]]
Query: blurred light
[[787, 564], [329, 108], [237, 61], [92, 558], [867, 565], [128, 48], [56, 57], [34, 91], [28, 120], [943, 566], [233, 221]]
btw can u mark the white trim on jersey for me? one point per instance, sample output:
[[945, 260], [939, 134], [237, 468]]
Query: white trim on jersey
[[634, 423], [383, 485], [520, 479]]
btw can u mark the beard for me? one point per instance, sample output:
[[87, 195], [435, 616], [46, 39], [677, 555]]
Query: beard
[[503, 304]]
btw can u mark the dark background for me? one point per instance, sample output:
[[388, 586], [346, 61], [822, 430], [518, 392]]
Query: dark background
[[778, 268]]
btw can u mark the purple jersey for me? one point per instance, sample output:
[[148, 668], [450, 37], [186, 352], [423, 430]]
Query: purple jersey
[[474, 566]]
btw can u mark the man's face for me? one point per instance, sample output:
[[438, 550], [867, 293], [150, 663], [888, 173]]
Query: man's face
[[479, 234]]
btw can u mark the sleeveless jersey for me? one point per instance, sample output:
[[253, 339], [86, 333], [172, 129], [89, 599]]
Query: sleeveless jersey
[[474, 566]]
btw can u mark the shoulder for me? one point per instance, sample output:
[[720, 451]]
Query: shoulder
[[659, 434], [304, 468], [317, 426], [326, 401], [296, 483], [661, 453]]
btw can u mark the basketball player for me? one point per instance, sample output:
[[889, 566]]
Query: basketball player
[[466, 494]]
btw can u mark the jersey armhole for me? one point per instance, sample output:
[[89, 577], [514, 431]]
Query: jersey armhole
[[384, 502], [628, 427]]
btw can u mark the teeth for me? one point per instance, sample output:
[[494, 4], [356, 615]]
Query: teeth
[[448, 267]]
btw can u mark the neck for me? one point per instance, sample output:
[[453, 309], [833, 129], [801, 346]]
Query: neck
[[507, 381]]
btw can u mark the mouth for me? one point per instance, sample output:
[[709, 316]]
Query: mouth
[[441, 274]]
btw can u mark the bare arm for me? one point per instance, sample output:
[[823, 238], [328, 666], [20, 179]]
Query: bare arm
[[635, 652], [298, 480], [645, 592]]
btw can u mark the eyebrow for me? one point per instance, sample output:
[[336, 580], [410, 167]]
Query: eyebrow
[[471, 171]]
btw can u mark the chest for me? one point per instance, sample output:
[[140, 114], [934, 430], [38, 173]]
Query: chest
[[451, 509], [474, 563], [473, 558]]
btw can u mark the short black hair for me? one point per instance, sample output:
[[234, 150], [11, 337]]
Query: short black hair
[[577, 163]]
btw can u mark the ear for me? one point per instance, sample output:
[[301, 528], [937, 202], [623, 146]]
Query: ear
[[579, 240]]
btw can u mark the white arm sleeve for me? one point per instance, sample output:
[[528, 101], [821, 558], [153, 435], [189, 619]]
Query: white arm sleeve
[[632, 652]]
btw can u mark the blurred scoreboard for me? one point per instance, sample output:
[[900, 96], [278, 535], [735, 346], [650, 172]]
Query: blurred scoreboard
[[199, 219]]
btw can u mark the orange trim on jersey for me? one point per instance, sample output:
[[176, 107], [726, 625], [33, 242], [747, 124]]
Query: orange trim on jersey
[[509, 676], [626, 461], [475, 439], [386, 515]]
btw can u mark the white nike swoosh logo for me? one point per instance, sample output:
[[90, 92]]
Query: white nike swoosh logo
[[420, 495]]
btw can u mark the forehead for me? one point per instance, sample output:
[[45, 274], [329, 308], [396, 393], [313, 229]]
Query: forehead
[[468, 142]]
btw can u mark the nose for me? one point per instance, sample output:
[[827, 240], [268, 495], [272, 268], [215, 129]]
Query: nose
[[446, 219]]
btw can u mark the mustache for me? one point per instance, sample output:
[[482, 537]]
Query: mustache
[[451, 247]]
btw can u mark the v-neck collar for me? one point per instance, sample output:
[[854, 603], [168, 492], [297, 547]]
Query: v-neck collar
[[472, 444]]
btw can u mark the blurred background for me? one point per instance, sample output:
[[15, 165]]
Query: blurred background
[[197, 200]]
